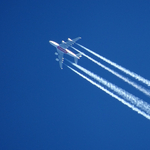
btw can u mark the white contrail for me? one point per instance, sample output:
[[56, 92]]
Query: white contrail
[[134, 75], [131, 98], [140, 88], [112, 94]]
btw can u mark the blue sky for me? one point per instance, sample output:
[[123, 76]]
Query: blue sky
[[44, 107]]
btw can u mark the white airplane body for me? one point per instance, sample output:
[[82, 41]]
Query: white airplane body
[[62, 49]]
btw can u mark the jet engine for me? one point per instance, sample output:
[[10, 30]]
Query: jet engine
[[57, 59], [63, 41], [56, 53], [69, 39]]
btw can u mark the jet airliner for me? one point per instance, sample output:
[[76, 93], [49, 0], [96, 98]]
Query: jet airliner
[[62, 49]]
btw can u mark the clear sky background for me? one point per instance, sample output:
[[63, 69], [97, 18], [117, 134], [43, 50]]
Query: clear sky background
[[45, 108]]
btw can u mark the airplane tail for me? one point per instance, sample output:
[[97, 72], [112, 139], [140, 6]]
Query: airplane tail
[[76, 58]]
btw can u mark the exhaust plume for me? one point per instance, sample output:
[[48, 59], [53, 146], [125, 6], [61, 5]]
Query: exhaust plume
[[140, 88], [112, 94], [132, 74], [129, 97]]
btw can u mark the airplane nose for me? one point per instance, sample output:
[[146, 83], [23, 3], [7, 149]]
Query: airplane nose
[[50, 42], [53, 43]]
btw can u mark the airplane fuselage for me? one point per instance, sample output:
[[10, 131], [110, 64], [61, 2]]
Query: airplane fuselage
[[65, 51], [62, 49]]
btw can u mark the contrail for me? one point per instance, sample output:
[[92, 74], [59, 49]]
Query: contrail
[[131, 98], [112, 94], [132, 74], [140, 88]]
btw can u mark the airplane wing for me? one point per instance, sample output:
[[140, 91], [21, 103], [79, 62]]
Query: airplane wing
[[60, 57], [69, 42]]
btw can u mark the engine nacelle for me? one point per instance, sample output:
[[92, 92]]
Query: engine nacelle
[[63, 41], [56, 53], [57, 59], [69, 39]]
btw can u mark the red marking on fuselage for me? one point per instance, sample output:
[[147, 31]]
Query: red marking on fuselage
[[61, 49]]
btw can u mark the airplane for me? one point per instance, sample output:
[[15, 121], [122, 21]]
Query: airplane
[[62, 49]]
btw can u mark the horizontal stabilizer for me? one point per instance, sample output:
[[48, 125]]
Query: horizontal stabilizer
[[79, 55]]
